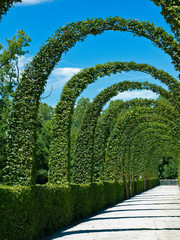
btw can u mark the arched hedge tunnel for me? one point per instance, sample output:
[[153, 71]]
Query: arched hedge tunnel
[[21, 162], [117, 149]]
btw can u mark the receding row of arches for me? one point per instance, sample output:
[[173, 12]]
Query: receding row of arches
[[146, 130]]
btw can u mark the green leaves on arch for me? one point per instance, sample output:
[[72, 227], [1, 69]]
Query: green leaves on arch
[[115, 154], [84, 154], [20, 167], [59, 164]]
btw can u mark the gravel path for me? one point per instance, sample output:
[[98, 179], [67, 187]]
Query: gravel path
[[152, 215]]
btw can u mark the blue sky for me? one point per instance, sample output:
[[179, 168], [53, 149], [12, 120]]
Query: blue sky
[[40, 18]]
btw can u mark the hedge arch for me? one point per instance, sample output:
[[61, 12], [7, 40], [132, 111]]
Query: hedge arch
[[144, 133], [134, 135], [171, 13], [139, 164], [154, 139], [84, 157], [22, 135], [59, 170], [85, 161], [104, 126], [145, 120], [124, 167], [113, 152], [142, 123]]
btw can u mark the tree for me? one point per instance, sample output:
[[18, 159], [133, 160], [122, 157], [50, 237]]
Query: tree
[[5, 5], [44, 135], [171, 13], [77, 117], [167, 168], [9, 62], [9, 79], [21, 162]]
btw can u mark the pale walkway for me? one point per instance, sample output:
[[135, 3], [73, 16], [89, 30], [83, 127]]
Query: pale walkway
[[152, 215]]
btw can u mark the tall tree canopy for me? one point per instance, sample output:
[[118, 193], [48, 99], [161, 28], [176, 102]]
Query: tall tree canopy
[[5, 5]]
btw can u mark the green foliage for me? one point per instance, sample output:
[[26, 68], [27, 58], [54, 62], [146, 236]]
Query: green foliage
[[178, 167], [4, 111], [133, 136], [77, 117], [167, 168], [44, 137], [9, 59], [21, 155], [171, 13], [118, 162], [34, 212], [84, 167], [5, 5], [107, 121], [42, 176], [59, 170], [30, 213], [9, 78]]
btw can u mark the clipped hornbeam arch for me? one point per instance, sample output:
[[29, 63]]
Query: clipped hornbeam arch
[[137, 135], [138, 165], [59, 161], [84, 157], [133, 134], [113, 153], [87, 168], [132, 167], [171, 13], [22, 134], [157, 151], [104, 127], [146, 140], [141, 123], [160, 142]]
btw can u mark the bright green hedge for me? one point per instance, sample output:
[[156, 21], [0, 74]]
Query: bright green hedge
[[179, 172], [84, 164], [29, 213], [20, 165]]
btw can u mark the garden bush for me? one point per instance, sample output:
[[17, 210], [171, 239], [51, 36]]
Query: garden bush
[[34, 212]]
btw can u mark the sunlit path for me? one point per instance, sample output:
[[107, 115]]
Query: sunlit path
[[153, 215]]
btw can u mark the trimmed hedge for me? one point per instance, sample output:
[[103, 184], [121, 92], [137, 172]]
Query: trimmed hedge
[[179, 172], [84, 165], [20, 169], [34, 212]]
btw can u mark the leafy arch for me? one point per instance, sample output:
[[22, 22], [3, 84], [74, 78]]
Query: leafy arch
[[156, 139], [64, 110], [84, 157], [22, 135], [104, 127], [113, 152], [140, 135]]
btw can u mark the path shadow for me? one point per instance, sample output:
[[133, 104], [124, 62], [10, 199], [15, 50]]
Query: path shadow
[[70, 233]]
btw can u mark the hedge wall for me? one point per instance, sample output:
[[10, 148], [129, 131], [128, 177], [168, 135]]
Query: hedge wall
[[84, 164], [34, 212], [22, 133], [178, 171]]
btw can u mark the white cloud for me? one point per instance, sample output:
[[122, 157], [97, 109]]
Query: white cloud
[[33, 2], [23, 60], [100, 89], [60, 76], [56, 81], [128, 95], [20, 65]]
